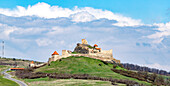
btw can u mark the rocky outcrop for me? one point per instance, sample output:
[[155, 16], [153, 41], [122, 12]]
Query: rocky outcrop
[[82, 48]]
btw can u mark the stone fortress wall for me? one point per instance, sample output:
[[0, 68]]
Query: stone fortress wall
[[84, 41], [84, 50]]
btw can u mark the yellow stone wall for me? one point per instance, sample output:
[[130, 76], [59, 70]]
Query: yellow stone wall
[[84, 41]]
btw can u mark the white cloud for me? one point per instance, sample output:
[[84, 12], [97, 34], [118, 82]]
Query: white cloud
[[5, 31], [34, 40], [29, 31], [82, 17], [43, 42], [61, 30], [33, 35], [164, 31], [77, 14], [158, 66]]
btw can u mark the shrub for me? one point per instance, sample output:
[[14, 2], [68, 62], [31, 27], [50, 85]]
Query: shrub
[[114, 66], [143, 76], [90, 46], [27, 73], [74, 53]]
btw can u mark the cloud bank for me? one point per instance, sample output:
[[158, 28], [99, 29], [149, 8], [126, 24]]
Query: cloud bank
[[76, 14]]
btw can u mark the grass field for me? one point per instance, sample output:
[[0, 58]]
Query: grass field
[[67, 82], [84, 65], [3, 81], [20, 62], [3, 67], [6, 82]]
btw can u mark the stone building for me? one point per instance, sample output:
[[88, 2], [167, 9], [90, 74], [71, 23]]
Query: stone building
[[55, 56], [32, 64], [84, 49]]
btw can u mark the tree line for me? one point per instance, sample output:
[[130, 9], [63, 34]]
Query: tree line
[[28, 74], [143, 76], [146, 69]]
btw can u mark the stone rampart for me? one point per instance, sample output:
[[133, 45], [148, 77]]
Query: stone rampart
[[104, 56]]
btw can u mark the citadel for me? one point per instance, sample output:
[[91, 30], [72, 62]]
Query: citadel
[[84, 49]]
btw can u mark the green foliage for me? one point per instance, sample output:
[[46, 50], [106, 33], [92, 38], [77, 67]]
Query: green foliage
[[159, 80], [13, 59], [120, 68], [6, 82], [38, 79], [76, 65], [83, 65], [74, 53], [90, 46], [9, 71], [3, 67], [67, 82], [144, 76]]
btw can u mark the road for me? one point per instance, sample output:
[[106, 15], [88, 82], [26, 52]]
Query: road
[[8, 76]]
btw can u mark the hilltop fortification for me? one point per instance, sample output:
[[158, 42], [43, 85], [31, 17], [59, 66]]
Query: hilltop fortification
[[84, 49]]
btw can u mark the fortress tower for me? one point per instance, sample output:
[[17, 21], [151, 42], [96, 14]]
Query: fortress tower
[[32, 64], [54, 57], [84, 41]]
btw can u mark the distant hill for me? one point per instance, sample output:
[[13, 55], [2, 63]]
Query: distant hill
[[146, 69], [16, 62], [84, 65]]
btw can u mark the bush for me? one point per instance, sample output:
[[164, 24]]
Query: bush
[[13, 59], [114, 66], [74, 53], [90, 46], [143, 76], [27, 73]]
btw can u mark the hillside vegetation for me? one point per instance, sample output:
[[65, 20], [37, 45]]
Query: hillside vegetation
[[3, 81], [143, 68], [6, 82], [3, 67], [66, 82], [84, 65], [17, 62]]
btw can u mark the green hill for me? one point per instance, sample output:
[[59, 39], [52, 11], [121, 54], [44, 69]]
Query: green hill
[[84, 65]]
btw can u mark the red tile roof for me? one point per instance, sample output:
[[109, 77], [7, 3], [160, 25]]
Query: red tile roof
[[96, 45], [98, 48], [17, 68], [32, 62], [55, 53]]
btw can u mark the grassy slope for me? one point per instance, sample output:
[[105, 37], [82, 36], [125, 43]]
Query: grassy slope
[[66, 82], [3, 67], [20, 62], [6, 82], [83, 65]]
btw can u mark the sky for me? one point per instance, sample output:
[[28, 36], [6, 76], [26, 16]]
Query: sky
[[137, 31], [150, 11]]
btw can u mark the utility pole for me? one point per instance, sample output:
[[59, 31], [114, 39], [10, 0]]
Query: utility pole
[[3, 47]]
